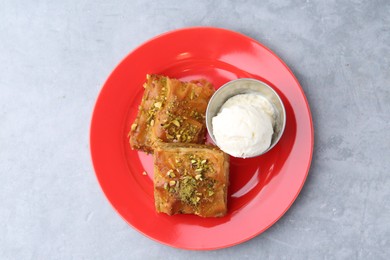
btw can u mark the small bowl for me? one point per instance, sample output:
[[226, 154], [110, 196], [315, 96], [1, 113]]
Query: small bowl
[[244, 86]]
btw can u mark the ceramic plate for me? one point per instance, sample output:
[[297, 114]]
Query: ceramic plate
[[261, 189]]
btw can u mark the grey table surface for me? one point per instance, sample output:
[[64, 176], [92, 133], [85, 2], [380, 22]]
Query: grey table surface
[[55, 57]]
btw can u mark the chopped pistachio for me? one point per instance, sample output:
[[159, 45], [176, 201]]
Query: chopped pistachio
[[172, 183], [171, 174], [197, 199], [193, 161], [166, 185], [158, 104], [203, 162], [176, 123], [133, 127], [152, 122], [198, 176], [211, 193], [198, 170]]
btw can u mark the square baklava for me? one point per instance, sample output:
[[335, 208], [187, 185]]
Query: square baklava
[[170, 111], [190, 179]]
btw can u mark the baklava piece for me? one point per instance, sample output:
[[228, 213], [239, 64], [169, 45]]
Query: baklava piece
[[190, 179], [171, 111]]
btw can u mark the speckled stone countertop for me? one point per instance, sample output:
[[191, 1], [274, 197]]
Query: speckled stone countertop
[[55, 57]]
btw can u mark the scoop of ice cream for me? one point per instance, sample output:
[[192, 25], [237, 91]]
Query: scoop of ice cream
[[251, 99], [243, 129]]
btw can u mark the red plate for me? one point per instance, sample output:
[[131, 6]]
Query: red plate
[[261, 189]]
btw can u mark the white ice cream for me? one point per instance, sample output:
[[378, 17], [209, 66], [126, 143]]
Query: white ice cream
[[244, 125]]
